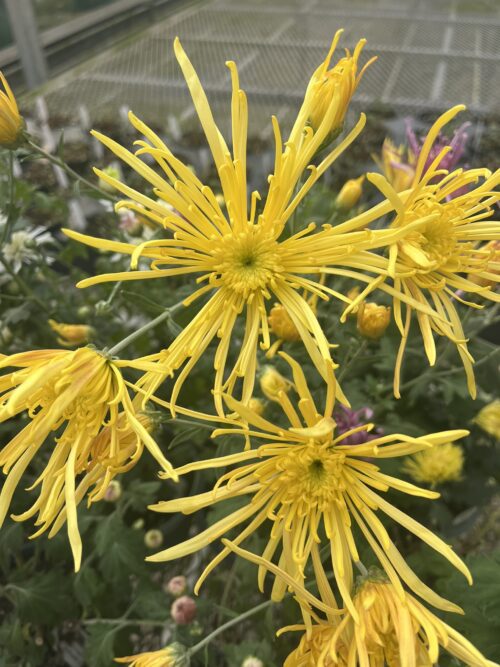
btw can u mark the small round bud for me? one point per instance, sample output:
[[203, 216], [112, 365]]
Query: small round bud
[[373, 320], [113, 492], [350, 193], [272, 383], [138, 524], [488, 418], [102, 308], [176, 586], [252, 661], [183, 610], [84, 311], [109, 172], [257, 406], [153, 539], [6, 335], [281, 324]]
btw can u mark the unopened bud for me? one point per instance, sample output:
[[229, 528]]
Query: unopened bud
[[256, 405], [11, 121], [350, 193], [177, 585], [281, 324], [138, 524], [107, 173], [252, 661], [102, 308], [153, 538], [272, 383], [373, 320], [113, 492], [183, 610]]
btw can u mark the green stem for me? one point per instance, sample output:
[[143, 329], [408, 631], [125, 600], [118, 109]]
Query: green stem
[[350, 361], [234, 621], [168, 312], [122, 622], [10, 209], [60, 163]]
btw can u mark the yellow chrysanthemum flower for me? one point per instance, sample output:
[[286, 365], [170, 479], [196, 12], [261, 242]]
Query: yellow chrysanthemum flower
[[174, 655], [242, 259], [488, 418], [85, 395], [11, 122], [430, 263], [71, 334], [386, 631], [310, 487], [437, 465]]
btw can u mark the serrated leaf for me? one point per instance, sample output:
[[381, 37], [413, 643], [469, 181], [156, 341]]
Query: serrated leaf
[[141, 494], [100, 644]]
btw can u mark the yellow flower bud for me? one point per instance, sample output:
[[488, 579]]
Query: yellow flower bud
[[373, 320], [350, 193], [71, 334], [11, 121], [113, 492], [272, 383], [489, 419], [331, 89], [281, 324], [256, 405], [441, 463]]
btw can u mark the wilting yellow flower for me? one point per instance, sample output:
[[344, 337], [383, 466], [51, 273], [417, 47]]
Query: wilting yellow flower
[[309, 485], [85, 394], [272, 383], [11, 122], [397, 166], [350, 193], [428, 265], [437, 465], [373, 320], [174, 655], [387, 631], [241, 259], [335, 86], [71, 334], [488, 418]]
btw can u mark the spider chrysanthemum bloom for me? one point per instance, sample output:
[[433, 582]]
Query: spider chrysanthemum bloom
[[388, 631], [11, 122], [311, 487], [241, 260], [437, 465], [439, 254], [174, 655], [82, 397], [488, 418]]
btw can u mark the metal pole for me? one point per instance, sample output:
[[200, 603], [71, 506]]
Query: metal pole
[[23, 23]]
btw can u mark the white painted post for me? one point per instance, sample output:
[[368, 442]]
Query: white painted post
[[23, 23]]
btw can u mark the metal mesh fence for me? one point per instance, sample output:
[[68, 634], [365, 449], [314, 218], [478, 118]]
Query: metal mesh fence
[[432, 54]]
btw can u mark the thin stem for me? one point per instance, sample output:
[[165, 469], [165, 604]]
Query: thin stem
[[60, 163], [10, 209], [168, 312], [234, 621], [122, 622], [24, 287], [350, 361]]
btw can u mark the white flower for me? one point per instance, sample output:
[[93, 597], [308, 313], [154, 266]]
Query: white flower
[[22, 247]]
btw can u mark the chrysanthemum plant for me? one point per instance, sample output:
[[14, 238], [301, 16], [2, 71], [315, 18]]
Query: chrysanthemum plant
[[301, 485]]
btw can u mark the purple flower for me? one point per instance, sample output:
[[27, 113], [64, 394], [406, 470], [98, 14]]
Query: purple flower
[[452, 158], [348, 419]]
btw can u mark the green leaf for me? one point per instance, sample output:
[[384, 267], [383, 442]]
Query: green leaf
[[100, 644]]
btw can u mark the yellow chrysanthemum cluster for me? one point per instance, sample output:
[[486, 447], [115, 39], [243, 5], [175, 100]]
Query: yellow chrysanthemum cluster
[[317, 495]]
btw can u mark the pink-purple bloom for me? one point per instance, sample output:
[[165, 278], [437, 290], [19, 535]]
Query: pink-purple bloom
[[347, 419], [452, 158]]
